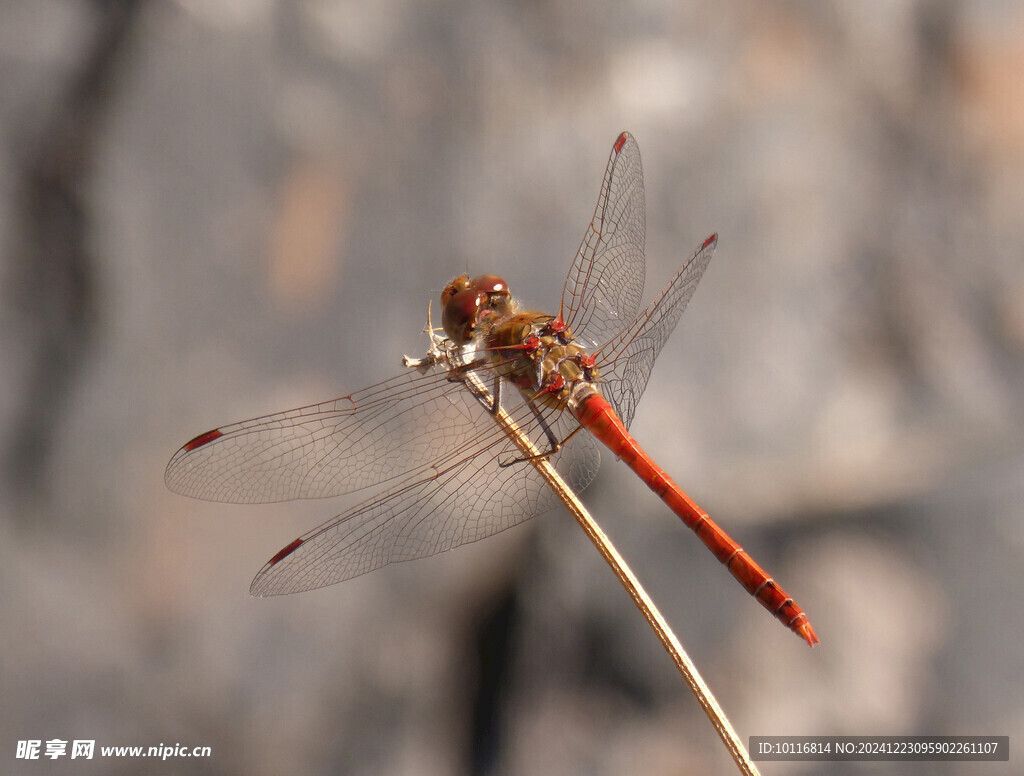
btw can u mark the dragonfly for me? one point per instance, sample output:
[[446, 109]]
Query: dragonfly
[[442, 472]]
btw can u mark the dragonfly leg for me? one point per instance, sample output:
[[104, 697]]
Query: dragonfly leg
[[555, 444], [496, 396]]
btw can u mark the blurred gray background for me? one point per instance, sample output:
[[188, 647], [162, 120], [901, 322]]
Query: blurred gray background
[[210, 211]]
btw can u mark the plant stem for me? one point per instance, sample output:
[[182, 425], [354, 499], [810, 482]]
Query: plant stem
[[628, 580]]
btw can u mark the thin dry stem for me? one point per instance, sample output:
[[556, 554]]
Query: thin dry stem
[[629, 581]]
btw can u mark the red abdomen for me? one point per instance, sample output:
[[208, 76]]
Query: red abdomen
[[601, 420]]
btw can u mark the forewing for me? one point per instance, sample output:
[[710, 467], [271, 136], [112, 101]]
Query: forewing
[[380, 433], [605, 285], [625, 363]]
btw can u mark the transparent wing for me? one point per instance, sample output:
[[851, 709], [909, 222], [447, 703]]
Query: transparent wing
[[379, 434], [328, 449], [452, 474], [473, 493], [605, 285], [626, 361]]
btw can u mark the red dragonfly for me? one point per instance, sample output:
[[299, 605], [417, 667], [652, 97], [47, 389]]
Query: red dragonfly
[[428, 439]]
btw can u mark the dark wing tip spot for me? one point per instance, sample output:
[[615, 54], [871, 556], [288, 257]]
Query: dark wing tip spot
[[285, 552], [711, 240], [202, 439], [621, 141]]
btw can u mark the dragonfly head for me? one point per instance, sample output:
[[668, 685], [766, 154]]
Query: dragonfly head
[[466, 302]]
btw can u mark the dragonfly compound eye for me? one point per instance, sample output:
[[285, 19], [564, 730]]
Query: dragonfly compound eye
[[460, 313], [490, 284], [499, 300], [460, 283], [465, 302]]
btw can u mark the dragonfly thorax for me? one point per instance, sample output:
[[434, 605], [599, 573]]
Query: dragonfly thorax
[[538, 354]]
